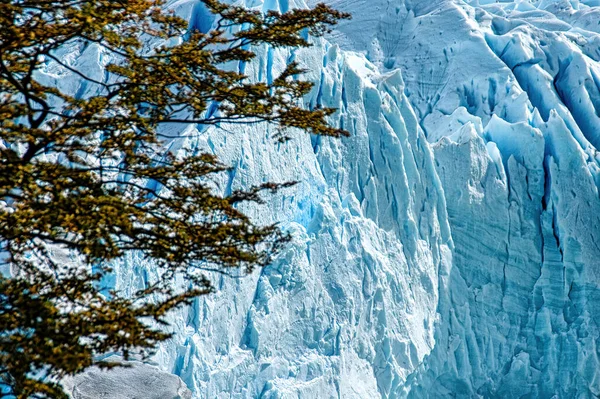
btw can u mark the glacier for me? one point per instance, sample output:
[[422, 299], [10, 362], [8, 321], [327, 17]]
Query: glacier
[[449, 248]]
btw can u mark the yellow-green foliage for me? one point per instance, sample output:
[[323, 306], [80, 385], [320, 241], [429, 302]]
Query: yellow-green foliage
[[74, 172]]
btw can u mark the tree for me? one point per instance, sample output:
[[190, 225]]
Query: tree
[[90, 177]]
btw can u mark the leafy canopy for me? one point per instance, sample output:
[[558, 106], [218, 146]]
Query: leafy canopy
[[88, 178]]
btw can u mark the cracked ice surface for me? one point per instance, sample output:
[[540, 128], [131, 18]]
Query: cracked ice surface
[[135, 381], [450, 246]]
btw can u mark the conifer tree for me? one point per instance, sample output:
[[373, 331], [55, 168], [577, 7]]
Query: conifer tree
[[75, 172]]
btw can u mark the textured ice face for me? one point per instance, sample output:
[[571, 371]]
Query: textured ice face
[[451, 245], [350, 306], [507, 93]]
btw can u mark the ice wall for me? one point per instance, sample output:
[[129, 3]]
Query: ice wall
[[507, 94], [450, 247], [349, 308]]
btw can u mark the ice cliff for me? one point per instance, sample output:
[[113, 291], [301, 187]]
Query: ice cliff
[[450, 247]]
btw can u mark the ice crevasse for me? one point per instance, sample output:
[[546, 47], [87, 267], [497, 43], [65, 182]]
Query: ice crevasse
[[449, 248]]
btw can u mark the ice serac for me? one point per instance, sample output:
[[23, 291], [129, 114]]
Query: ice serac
[[507, 95], [348, 310], [449, 248]]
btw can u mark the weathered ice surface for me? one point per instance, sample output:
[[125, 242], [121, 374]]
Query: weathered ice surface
[[449, 248], [137, 381]]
